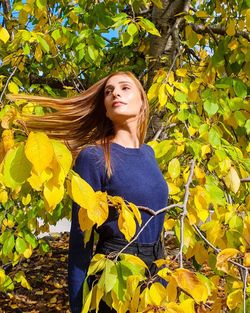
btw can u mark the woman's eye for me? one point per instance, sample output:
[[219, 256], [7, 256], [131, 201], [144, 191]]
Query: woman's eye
[[125, 88], [108, 92]]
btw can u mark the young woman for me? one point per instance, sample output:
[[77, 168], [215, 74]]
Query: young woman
[[107, 123]]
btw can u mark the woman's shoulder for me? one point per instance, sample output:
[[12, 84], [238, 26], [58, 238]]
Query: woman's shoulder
[[90, 153]]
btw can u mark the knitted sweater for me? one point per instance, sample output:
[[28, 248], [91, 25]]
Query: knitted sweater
[[136, 178]]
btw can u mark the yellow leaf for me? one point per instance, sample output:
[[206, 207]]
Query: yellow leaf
[[188, 306], [157, 293], [132, 259], [28, 252], [97, 264], [246, 231], [248, 19], [136, 212], [170, 89], [223, 257], [201, 201], [190, 283], [84, 221], [126, 223], [173, 189], [174, 168], [64, 157], [205, 150], [39, 151], [13, 88], [82, 193], [232, 180], [234, 299], [153, 91], [182, 72], [171, 290], [52, 195], [231, 28], [162, 96], [233, 44], [38, 53], [8, 139], [4, 35], [26, 200], [3, 196], [174, 308], [169, 223], [246, 259], [20, 278], [99, 214]]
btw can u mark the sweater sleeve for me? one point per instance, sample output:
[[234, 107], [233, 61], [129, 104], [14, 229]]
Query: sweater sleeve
[[79, 256]]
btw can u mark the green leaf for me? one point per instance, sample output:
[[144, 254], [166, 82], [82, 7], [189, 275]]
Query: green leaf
[[240, 88], [210, 107], [132, 29], [56, 34], [211, 186], [149, 26], [158, 3], [31, 239], [247, 126], [214, 137], [183, 115], [126, 39], [41, 4], [109, 276], [8, 244], [20, 245], [174, 168], [17, 168], [180, 96], [43, 44], [26, 49], [93, 52], [240, 118]]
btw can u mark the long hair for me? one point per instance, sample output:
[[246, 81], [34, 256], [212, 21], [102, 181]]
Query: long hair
[[81, 120]]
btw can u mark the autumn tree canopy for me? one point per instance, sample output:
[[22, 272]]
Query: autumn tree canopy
[[193, 58]]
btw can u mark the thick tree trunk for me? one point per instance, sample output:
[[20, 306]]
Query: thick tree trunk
[[167, 21]]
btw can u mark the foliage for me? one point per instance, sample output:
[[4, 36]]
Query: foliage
[[199, 91]]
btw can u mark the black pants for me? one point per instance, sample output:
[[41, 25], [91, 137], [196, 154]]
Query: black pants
[[148, 252]]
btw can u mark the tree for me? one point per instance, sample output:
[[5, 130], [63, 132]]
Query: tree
[[193, 58]]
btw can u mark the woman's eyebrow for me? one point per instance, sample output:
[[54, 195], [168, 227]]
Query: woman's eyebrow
[[121, 82]]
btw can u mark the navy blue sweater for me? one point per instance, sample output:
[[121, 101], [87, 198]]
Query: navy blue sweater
[[137, 178]]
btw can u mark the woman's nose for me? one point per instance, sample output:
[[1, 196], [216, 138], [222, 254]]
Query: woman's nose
[[116, 92]]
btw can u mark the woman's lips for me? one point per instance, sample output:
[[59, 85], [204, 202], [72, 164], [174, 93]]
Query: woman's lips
[[118, 103]]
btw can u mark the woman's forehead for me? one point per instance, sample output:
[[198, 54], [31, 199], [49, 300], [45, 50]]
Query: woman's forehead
[[120, 78]]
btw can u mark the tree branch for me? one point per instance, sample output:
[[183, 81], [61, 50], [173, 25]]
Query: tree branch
[[219, 30], [6, 85], [184, 213]]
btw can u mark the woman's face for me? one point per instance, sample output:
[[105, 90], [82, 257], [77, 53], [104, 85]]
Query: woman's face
[[122, 99]]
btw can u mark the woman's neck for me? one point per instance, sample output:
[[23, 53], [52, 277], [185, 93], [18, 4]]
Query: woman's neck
[[126, 139]]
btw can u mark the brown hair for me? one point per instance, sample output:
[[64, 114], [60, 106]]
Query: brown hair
[[81, 120]]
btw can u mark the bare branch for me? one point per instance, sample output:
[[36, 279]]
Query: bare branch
[[245, 180], [219, 30], [6, 85], [184, 213]]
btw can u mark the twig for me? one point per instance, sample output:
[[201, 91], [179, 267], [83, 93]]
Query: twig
[[205, 239], [245, 291], [184, 213], [245, 180], [8, 80], [157, 135]]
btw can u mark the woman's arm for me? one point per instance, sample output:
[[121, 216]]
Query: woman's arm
[[88, 167]]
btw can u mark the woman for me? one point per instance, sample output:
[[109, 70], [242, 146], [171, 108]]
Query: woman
[[111, 118]]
